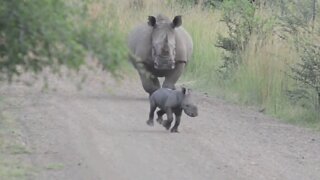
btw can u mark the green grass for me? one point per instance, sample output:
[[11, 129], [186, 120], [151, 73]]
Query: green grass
[[17, 149], [54, 166], [11, 166], [14, 154]]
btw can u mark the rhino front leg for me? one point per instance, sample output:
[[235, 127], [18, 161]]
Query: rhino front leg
[[150, 83], [178, 114], [151, 114], [160, 113], [172, 78], [167, 123]]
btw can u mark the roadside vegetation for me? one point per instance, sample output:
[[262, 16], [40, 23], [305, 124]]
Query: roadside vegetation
[[264, 54], [258, 53], [13, 151]]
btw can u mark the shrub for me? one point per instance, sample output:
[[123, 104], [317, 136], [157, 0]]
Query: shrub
[[239, 18], [36, 34]]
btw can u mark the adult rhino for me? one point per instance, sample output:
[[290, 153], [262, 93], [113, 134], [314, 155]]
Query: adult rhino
[[159, 48]]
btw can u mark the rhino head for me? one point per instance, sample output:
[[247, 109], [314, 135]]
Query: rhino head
[[187, 104], [164, 42]]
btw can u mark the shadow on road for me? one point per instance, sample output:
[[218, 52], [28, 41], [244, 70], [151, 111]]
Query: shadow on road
[[145, 131], [101, 97], [117, 97]]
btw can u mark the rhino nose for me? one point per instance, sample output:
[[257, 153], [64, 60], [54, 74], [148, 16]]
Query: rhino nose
[[165, 51]]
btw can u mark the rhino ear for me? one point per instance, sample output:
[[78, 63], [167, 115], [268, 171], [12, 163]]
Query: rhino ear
[[177, 21], [152, 21], [184, 90]]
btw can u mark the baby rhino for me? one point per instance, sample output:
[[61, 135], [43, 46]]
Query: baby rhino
[[169, 102]]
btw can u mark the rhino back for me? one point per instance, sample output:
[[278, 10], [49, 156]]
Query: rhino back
[[159, 98], [184, 44], [139, 42], [164, 97]]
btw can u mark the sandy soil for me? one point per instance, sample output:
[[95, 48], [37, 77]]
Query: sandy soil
[[100, 132]]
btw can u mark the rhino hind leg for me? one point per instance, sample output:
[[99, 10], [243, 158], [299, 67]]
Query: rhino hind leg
[[172, 78], [178, 114]]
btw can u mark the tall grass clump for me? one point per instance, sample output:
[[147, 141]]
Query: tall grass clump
[[101, 34]]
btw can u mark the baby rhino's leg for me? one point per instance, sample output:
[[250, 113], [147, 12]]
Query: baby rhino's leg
[[160, 113], [151, 113], [167, 123], [177, 123]]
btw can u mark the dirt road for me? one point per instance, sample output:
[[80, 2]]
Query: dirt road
[[100, 132]]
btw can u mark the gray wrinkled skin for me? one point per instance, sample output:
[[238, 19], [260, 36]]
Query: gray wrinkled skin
[[171, 102], [159, 48]]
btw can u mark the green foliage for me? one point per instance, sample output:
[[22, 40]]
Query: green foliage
[[253, 67], [35, 34], [297, 17], [101, 36], [239, 18], [213, 3], [307, 72], [298, 25], [203, 3]]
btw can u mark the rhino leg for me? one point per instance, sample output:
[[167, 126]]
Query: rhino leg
[[160, 113], [151, 113], [178, 114], [172, 78], [150, 82], [167, 123]]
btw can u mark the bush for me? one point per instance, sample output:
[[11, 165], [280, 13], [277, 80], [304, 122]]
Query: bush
[[36, 34], [298, 24], [307, 72], [239, 18]]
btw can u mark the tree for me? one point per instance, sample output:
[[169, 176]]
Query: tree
[[307, 71], [239, 18], [299, 25], [36, 34]]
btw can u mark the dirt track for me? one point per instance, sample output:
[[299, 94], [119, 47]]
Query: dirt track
[[100, 133]]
